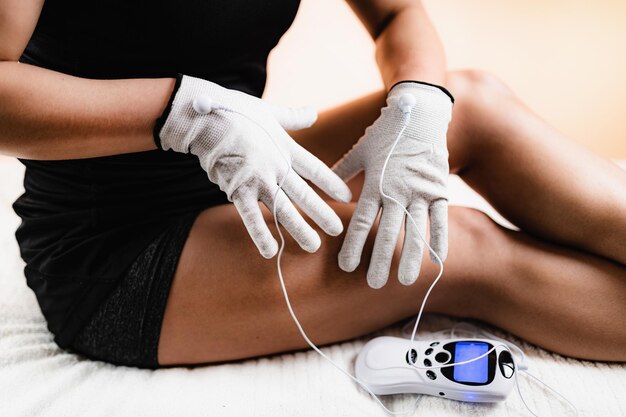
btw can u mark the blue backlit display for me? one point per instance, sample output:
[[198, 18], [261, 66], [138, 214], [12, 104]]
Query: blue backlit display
[[476, 371]]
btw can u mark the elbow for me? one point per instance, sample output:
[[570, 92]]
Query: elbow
[[377, 18], [10, 52], [382, 25], [385, 20], [12, 131]]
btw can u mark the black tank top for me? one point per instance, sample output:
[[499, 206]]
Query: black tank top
[[84, 221]]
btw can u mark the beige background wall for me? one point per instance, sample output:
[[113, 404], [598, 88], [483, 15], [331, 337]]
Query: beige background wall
[[565, 58]]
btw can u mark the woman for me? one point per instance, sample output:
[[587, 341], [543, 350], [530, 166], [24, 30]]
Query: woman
[[137, 259]]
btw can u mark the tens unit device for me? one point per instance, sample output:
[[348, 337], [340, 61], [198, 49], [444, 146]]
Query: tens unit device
[[387, 366]]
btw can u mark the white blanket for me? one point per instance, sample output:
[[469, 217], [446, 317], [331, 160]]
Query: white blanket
[[38, 379]]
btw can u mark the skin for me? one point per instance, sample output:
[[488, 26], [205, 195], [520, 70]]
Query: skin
[[568, 259]]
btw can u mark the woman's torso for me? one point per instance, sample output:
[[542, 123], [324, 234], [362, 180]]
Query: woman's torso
[[87, 219]]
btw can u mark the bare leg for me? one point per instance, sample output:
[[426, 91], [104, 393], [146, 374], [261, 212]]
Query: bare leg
[[226, 301], [536, 177]]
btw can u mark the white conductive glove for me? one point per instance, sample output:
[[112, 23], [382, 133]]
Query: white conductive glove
[[242, 144], [416, 175]]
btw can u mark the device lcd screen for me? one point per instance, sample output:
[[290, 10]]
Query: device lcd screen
[[476, 371]]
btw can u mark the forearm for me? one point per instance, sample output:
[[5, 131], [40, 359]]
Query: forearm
[[50, 115], [408, 48]]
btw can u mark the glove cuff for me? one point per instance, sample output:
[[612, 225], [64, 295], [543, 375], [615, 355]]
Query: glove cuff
[[161, 120], [443, 89], [181, 124], [430, 113]]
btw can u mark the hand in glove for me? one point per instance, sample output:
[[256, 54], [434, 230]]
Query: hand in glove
[[242, 144], [416, 176]]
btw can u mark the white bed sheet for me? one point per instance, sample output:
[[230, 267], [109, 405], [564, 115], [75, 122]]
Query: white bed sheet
[[38, 379]]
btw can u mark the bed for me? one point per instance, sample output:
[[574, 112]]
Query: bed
[[39, 379]]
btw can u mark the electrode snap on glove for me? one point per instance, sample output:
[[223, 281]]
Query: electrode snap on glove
[[415, 176], [241, 143]]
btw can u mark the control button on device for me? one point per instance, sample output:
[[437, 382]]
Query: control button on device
[[442, 357], [431, 375], [427, 362], [505, 362], [428, 351], [413, 353], [434, 343]]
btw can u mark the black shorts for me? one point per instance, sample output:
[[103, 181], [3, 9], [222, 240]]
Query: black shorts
[[125, 328]]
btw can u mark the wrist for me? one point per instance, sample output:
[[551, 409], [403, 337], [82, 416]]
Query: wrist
[[158, 126], [429, 114], [182, 123], [422, 83]]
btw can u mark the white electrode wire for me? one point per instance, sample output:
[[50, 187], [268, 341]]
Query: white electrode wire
[[519, 392], [286, 295], [505, 343], [414, 366], [288, 302], [302, 332], [406, 118], [555, 392]]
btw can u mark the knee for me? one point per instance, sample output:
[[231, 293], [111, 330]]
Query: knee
[[476, 86], [483, 110]]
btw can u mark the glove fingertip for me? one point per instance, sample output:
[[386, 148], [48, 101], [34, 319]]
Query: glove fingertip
[[303, 118], [335, 228], [376, 281], [310, 115], [407, 278], [269, 250], [347, 263], [343, 194], [314, 244], [410, 266]]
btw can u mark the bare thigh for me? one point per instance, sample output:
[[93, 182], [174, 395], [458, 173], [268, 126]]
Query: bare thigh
[[226, 302]]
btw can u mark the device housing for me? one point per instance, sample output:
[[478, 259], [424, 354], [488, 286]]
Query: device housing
[[383, 365]]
